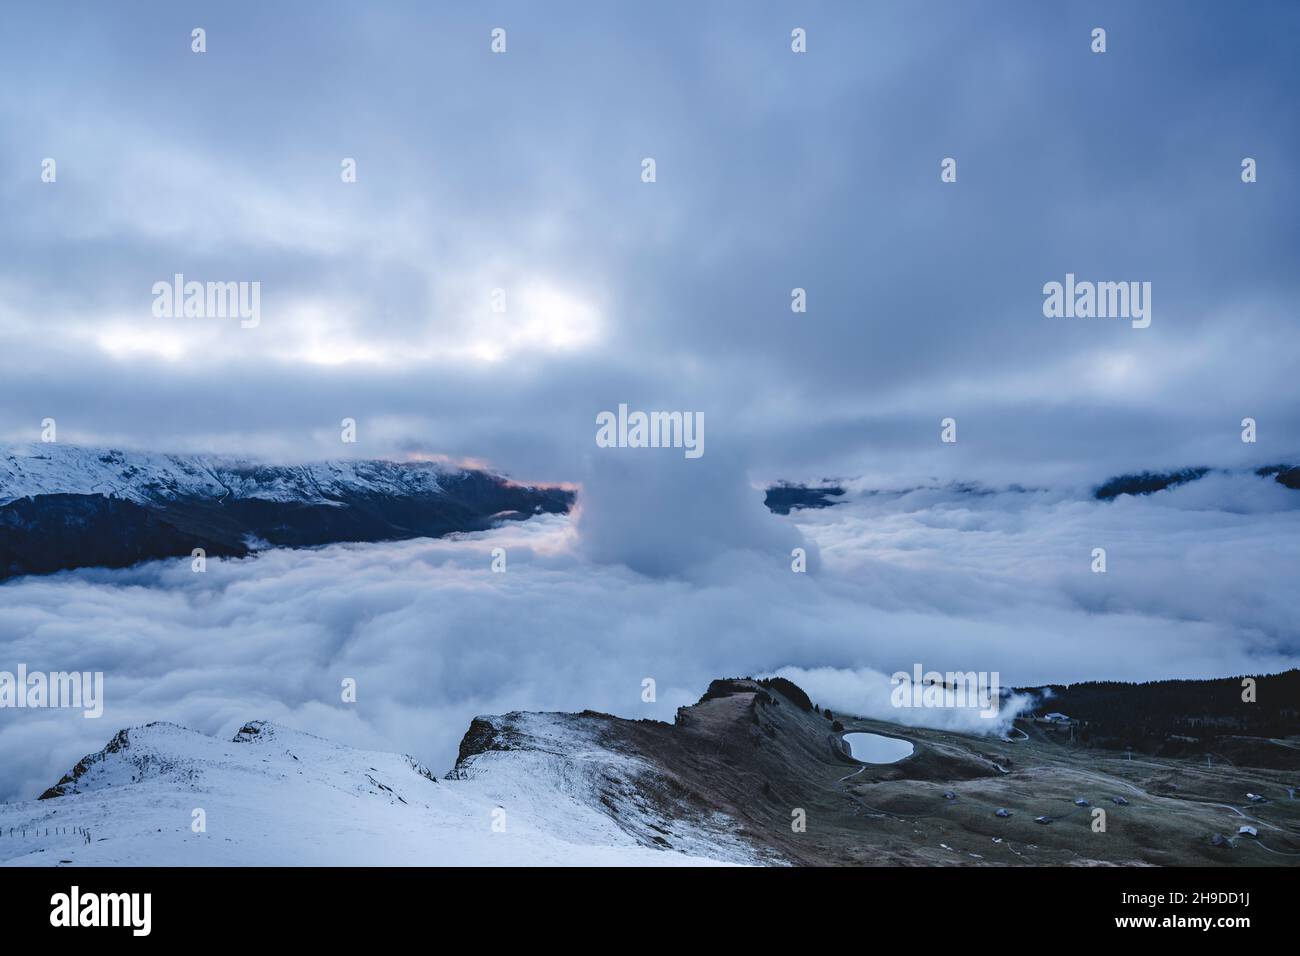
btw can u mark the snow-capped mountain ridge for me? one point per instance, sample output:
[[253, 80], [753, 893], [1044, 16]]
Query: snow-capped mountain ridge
[[149, 477], [63, 507]]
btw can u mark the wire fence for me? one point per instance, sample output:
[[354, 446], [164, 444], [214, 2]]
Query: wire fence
[[38, 832]]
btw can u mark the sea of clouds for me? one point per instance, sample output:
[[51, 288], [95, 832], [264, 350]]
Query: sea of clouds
[[634, 585]]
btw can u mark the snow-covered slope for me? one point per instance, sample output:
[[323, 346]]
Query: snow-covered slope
[[145, 477], [727, 782], [275, 796]]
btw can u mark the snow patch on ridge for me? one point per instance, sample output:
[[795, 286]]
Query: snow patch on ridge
[[275, 796], [148, 477]]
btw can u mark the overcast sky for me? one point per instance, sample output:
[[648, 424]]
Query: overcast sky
[[523, 171], [775, 170]]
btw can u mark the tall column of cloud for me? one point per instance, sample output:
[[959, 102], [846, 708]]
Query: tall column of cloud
[[664, 515]]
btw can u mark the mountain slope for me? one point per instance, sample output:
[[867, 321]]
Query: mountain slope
[[65, 507], [274, 796], [726, 782]]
